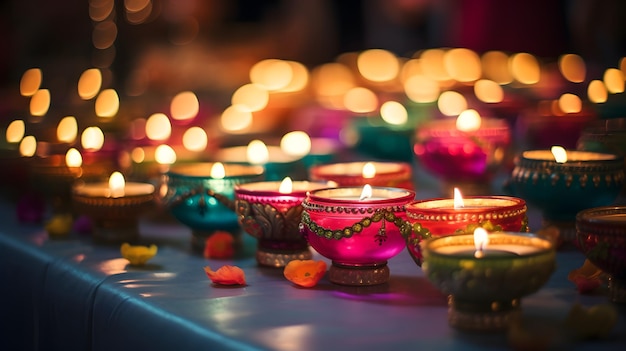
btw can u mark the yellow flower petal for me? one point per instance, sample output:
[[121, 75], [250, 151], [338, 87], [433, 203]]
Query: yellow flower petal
[[138, 255]]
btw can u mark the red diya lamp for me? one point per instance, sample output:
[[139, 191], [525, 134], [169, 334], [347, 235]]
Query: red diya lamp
[[442, 217], [271, 212], [555, 122], [601, 236], [391, 174], [358, 228], [466, 152]]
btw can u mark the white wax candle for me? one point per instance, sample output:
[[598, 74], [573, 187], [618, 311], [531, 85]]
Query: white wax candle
[[491, 250], [470, 203], [572, 156]]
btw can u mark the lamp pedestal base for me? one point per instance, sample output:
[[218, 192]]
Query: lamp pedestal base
[[495, 316], [273, 258], [358, 275]]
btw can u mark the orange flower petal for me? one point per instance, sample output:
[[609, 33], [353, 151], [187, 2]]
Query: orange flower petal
[[586, 278], [226, 275], [219, 245], [305, 273]]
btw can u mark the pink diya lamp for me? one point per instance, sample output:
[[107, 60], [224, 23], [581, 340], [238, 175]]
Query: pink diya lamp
[[461, 215], [358, 228], [391, 174], [465, 152], [271, 211]]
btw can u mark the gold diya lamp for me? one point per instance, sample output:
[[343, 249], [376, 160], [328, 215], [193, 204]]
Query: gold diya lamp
[[114, 207]]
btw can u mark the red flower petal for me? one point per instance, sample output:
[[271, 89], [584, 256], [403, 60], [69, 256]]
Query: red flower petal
[[226, 275], [219, 245]]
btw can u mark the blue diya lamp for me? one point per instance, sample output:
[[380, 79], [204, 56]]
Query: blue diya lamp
[[202, 196], [561, 189]]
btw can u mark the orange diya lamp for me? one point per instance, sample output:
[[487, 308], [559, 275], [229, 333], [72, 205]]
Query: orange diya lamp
[[390, 174], [461, 215]]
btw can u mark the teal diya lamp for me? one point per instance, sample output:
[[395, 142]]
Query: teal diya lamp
[[202, 196], [486, 275], [562, 183]]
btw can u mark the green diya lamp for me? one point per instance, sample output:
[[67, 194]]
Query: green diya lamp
[[485, 275]]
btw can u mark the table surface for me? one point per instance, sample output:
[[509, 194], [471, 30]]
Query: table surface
[[73, 295]]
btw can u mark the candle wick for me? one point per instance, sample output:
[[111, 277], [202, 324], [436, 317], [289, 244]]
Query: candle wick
[[479, 253]]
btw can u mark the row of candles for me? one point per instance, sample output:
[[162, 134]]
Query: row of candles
[[361, 214], [359, 228]]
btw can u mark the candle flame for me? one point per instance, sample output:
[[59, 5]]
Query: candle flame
[[560, 155], [369, 170], [366, 193], [458, 199], [218, 171], [73, 158], [481, 239], [468, 121], [286, 186], [117, 184], [257, 152]]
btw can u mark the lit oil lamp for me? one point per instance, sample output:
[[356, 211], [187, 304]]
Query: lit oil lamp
[[114, 207], [465, 152], [358, 228], [392, 174], [561, 183], [271, 212], [202, 196], [441, 217], [487, 274], [276, 163], [601, 236]]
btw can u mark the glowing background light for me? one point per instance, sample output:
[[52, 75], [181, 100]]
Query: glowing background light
[[92, 138], [15, 131], [184, 106], [488, 91], [394, 113], [165, 155], [451, 103], [360, 100], [525, 68], [296, 143], [235, 118], [195, 139], [67, 129], [28, 146], [462, 64], [107, 103], [31, 81], [89, 83], [158, 127], [378, 65], [596, 91], [40, 102], [572, 67], [570, 103], [251, 97]]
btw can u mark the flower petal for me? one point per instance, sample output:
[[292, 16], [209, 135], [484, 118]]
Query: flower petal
[[305, 273], [226, 275], [138, 255], [219, 245], [586, 278]]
